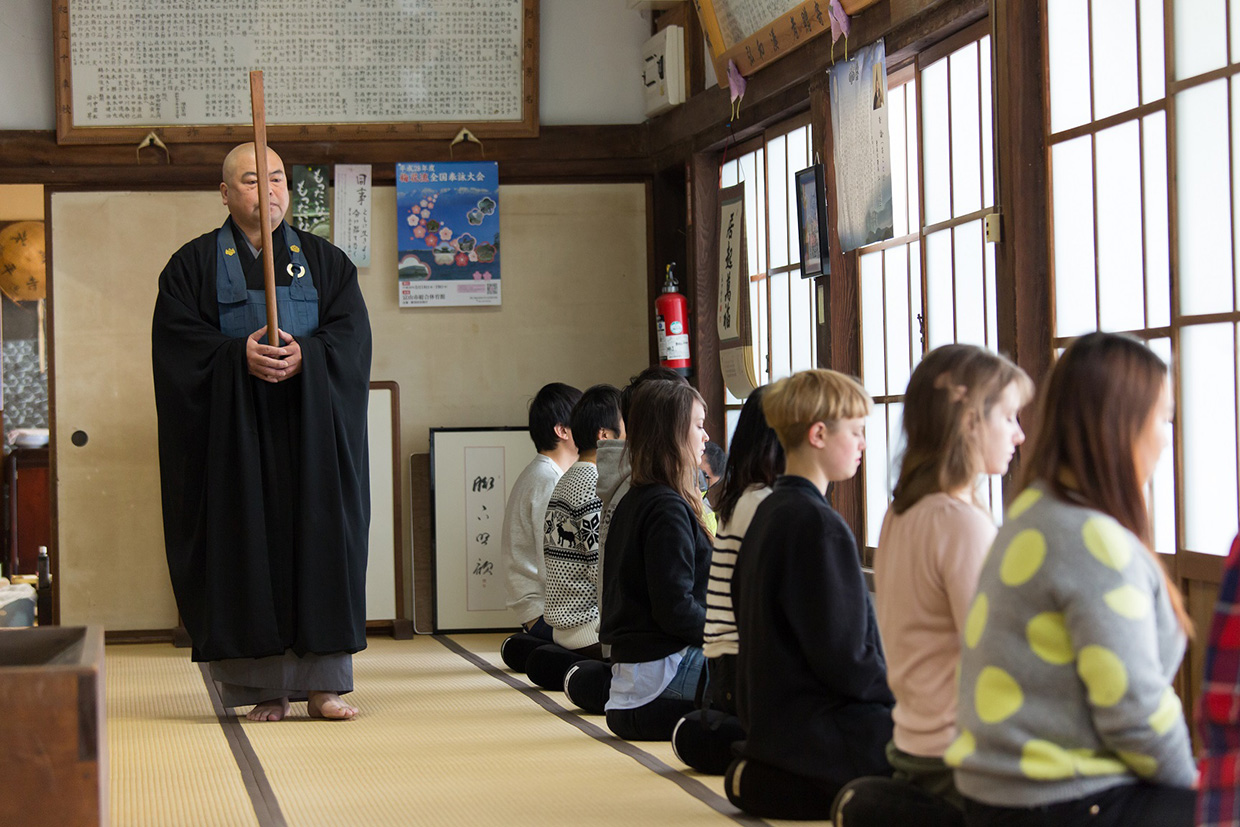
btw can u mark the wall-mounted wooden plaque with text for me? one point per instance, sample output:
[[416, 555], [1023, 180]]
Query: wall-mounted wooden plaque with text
[[756, 33]]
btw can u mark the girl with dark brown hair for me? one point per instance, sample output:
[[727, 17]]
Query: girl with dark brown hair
[[703, 739]]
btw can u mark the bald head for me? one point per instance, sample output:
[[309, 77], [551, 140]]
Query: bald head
[[240, 193], [242, 158]]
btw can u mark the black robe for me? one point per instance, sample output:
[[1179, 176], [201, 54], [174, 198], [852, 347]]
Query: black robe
[[266, 489]]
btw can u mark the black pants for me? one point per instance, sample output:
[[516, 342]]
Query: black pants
[[770, 792], [703, 739], [587, 683], [547, 664], [721, 691], [515, 650], [885, 802], [1128, 805], [652, 722]]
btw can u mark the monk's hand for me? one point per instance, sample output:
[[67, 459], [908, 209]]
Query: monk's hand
[[269, 363], [292, 355]]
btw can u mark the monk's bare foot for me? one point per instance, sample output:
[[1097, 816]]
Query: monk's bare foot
[[273, 710], [329, 705]]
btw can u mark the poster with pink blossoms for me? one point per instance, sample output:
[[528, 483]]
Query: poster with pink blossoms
[[447, 234]]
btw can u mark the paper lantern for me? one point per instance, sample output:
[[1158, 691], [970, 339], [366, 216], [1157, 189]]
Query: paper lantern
[[23, 261]]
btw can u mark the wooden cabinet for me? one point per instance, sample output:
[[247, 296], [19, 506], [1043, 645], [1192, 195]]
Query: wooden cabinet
[[27, 516]]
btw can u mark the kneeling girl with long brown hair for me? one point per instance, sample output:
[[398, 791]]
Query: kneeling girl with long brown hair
[[655, 567]]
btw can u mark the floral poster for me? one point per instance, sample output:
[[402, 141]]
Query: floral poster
[[447, 234]]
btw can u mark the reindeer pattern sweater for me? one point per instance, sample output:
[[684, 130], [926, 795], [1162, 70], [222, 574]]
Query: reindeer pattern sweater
[[570, 557]]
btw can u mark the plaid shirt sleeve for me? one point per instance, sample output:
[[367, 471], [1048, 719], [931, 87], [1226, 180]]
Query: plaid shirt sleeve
[[1218, 803]]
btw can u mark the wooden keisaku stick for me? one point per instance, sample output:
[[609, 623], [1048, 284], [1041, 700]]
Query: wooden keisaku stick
[[258, 107]]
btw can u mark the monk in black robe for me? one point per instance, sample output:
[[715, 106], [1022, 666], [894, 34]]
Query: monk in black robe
[[263, 456]]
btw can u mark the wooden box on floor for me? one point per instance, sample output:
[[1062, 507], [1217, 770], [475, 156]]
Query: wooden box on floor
[[54, 753]]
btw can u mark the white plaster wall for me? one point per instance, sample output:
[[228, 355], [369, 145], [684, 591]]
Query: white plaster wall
[[591, 62], [590, 55]]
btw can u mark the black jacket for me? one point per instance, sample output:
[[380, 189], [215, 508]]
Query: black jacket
[[655, 568], [811, 679]]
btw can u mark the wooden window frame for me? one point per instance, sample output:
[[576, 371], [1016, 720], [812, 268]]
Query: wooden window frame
[[910, 72], [1187, 563]]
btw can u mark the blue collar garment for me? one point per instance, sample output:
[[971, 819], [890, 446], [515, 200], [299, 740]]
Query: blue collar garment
[[243, 311]]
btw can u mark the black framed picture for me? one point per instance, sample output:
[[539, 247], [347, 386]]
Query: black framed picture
[[812, 222]]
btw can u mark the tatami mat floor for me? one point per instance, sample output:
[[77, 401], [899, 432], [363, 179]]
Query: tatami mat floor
[[447, 736]]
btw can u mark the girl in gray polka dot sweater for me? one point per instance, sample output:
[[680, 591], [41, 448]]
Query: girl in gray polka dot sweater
[[1066, 710]]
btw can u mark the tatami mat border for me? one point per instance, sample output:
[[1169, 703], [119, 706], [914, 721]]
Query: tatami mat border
[[267, 808], [690, 785], [262, 797]]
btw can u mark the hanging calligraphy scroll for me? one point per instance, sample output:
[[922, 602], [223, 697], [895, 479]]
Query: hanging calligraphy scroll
[[352, 225], [380, 70], [862, 147], [732, 320]]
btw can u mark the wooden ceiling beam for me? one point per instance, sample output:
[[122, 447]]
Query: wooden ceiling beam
[[559, 153]]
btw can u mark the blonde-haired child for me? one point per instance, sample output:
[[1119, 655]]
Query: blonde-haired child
[[811, 684]]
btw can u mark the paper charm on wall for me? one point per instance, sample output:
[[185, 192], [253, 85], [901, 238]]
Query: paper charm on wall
[[840, 25], [736, 88]]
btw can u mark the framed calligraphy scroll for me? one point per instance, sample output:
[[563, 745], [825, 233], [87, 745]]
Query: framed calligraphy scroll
[[755, 33], [379, 70], [472, 474]]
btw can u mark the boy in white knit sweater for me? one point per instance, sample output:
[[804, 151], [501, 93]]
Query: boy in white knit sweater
[[521, 538]]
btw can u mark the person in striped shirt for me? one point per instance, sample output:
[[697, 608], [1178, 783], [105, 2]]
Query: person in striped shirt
[[703, 738]]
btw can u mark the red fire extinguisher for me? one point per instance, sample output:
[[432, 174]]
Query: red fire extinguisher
[[672, 326]]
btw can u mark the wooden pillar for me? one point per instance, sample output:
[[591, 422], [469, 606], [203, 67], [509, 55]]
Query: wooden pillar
[[703, 216], [839, 336], [667, 244], [1022, 255], [1022, 258]]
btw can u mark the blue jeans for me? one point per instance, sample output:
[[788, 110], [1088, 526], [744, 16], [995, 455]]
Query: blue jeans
[[684, 684], [655, 720]]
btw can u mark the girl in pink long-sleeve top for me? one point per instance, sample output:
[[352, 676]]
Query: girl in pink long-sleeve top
[[960, 422]]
